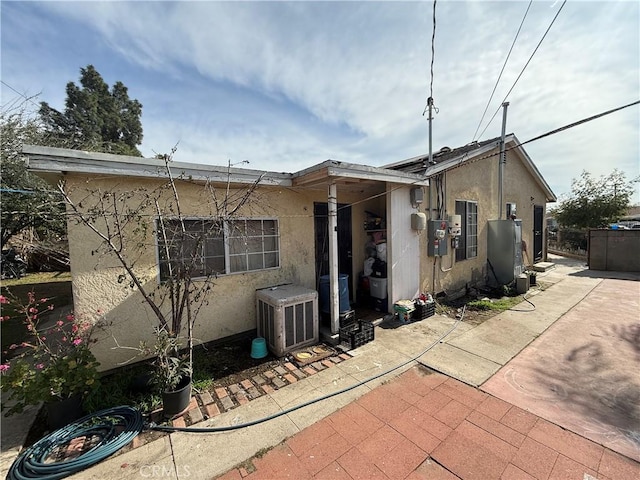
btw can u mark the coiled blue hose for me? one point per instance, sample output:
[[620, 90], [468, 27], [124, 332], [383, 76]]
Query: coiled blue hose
[[114, 427]]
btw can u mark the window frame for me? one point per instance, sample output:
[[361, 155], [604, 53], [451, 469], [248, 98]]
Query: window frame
[[227, 238], [468, 248]]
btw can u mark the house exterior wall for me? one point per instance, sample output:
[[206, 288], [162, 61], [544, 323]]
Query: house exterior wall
[[478, 181], [126, 320], [521, 189]]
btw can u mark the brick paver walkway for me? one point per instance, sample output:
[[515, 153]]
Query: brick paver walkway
[[424, 425], [208, 405]]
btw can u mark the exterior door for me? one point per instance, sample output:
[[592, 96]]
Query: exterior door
[[538, 217], [321, 222]]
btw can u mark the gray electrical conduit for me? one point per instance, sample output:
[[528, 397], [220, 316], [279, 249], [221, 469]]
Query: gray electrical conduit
[[161, 428]]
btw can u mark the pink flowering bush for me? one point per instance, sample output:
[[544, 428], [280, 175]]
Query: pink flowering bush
[[55, 363]]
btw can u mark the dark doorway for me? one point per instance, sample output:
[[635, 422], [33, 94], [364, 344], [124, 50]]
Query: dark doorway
[[321, 222], [538, 216]]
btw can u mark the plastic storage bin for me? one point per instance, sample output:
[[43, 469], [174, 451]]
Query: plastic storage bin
[[378, 287], [424, 310], [343, 293], [357, 334]]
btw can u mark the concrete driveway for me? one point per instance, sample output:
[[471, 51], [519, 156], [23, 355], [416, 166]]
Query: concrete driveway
[[583, 374]]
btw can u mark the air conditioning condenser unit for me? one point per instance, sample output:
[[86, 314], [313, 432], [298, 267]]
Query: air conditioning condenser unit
[[287, 317]]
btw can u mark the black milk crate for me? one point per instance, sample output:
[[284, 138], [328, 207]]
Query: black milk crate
[[357, 334], [424, 310]]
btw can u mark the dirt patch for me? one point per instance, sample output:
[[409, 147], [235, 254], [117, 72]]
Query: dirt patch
[[230, 363]]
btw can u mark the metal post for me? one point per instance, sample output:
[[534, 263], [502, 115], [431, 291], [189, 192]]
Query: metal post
[[430, 216], [430, 105], [333, 259], [503, 159]]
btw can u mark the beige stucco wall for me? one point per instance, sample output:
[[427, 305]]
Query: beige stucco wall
[[123, 316], [478, 181]]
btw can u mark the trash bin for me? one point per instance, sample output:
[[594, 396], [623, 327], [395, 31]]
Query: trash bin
[[343, 293]]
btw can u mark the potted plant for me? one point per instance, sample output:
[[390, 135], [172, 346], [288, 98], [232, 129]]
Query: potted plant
[[533, 277], [53, 366], [171, 373]]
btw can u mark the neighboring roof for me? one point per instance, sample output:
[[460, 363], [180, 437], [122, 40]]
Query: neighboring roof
[[447, 159], [52, 163]]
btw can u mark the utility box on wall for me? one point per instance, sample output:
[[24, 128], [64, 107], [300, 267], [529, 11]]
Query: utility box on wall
[[418, 221], [437, 238]]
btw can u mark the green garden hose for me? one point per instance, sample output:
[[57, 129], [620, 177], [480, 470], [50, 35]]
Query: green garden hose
[[108, 431]]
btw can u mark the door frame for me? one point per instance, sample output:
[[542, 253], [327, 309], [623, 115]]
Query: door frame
[[538, 231], [345, 242]]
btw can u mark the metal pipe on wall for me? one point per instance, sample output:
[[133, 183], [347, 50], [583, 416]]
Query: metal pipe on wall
[[503, 159], [333, 258]]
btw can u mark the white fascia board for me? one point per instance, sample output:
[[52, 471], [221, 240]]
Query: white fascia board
[[58, 160], [339, 169], [377, 174]]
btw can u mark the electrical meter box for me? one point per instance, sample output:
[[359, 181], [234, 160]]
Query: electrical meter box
[[416, 196], [436, 238], [455, 225], [418, 221]]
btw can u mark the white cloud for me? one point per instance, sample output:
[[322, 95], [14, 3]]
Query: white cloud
[[296, 83]]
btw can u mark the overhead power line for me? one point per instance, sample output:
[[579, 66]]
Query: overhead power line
[[433, 47], [561, 129], [501, 71], [23, 95], [525, 67], [546, 134], [433, 54]]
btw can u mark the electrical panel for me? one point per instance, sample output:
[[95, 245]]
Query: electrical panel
[[437, 242]]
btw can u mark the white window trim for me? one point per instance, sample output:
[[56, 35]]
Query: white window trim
[[465, 224]]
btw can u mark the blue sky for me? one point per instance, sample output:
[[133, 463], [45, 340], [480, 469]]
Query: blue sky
[[286, 85]]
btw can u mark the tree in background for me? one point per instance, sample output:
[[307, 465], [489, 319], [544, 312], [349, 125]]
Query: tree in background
[[28, 202], [595, 203], [96, 118]]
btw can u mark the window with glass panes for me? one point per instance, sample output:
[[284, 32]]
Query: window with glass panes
[[468, 245], [216, 247]]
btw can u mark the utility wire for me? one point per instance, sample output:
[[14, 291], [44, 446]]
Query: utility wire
[[433, 54], [433, 47], [28, 99], [525, 66], [560, 129], [546, 134], [502, 71]]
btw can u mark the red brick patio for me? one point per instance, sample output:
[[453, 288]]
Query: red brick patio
[[424, 425]]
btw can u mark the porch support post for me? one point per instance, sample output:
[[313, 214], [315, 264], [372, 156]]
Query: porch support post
[[333, 258]]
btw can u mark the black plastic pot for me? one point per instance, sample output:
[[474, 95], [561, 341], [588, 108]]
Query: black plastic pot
[[532, 279], [61, 413], [177, 401]]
